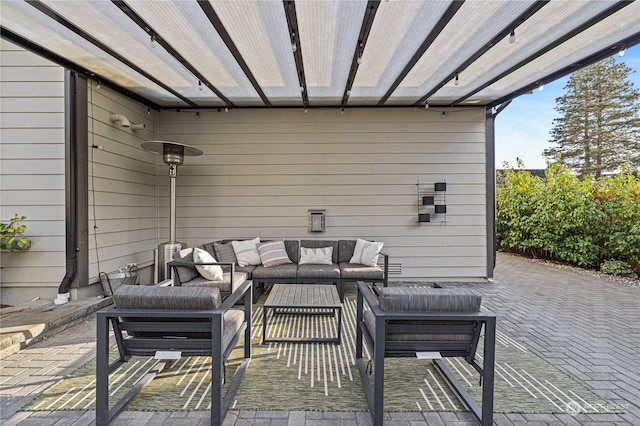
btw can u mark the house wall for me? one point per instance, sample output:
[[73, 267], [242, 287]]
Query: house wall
[[263, 169], [122, 186], [32, 172], [32, 180]]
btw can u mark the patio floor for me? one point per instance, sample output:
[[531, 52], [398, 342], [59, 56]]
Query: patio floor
[[585, 325]]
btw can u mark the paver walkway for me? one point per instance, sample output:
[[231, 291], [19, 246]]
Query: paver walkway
[[584, 325]]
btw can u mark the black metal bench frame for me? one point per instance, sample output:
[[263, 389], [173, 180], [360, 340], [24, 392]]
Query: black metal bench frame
[[208, 321], [384, 348]]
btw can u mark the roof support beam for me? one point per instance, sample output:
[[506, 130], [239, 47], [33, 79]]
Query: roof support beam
[[437, 29], [365, 29], [208, 10], [62, 21], [292, 22], [610, 11], [602, 54], [484, 49], [165, 44], [71, 66]]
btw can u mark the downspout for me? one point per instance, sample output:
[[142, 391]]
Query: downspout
[[71, 185], [490, 133]]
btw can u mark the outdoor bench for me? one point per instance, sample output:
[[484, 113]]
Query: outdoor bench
[[304, 261]]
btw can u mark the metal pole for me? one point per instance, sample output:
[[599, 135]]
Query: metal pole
[[172, 221]]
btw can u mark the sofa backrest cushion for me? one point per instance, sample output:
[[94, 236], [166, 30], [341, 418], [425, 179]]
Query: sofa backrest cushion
[[159, 297], [293, 249], [224, 252], [428, 299], [345, 248], [321, 244], [188, 272]]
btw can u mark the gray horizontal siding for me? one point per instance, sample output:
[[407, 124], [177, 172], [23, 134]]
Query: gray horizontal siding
[[263, 169], [122, 185], [32, 172]]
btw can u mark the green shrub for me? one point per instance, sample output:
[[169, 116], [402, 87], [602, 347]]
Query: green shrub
[[563, 217], [617, 267]]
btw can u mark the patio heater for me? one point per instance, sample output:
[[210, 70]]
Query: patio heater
[[173, 155]]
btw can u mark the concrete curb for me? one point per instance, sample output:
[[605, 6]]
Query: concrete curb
[[42, 321]]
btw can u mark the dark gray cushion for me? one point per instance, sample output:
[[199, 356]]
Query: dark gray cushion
[[431, 331], [428, 299], [345, 249], [224, 285], [188, 272], [247, 270], [157, 297], [314, 271], [356, 271], [285, 271], [208, 247], [293, 249], [320, 244], [224, 253]]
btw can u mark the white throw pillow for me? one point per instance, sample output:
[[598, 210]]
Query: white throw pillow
[[210, 272], [247, 252], [316, 256], [366, 252]]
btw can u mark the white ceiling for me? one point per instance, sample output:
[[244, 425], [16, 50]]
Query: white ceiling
[[322, 53]]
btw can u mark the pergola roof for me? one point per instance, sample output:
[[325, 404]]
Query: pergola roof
[[322, 53]]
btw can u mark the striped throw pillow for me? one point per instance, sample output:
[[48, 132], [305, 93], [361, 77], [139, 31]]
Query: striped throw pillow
[[273, 253]]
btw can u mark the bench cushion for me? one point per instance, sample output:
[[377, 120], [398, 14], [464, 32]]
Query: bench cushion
[[428, 299], [356, 271], [287, 271], [158, 297], [224, 285], [314, 271]]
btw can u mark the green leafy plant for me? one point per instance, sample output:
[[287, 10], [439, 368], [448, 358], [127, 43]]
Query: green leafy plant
[[582, 221], [12, 234], [617, 267]]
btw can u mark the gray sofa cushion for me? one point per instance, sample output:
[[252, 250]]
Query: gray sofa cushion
[[189, 272], [285, 271], [170, 298], [157, 297], [320, 244], [346, 247], [293, 249], [323, 272], [224, 253], [428, 299], [356, 272], [436, 333], [224, 285]]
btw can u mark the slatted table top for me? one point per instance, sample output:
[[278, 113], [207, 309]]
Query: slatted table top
[[303, 296]]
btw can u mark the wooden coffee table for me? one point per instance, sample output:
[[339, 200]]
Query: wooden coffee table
[[304, 300]]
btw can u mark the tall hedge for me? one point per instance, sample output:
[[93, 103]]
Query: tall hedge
[[581, 221]]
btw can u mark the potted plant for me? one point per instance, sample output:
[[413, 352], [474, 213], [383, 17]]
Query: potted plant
[[12, 234]]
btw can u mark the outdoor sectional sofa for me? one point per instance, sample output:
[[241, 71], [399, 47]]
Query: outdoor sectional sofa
[[339, 269]]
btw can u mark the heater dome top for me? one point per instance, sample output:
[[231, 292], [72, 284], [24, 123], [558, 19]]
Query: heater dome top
[[172, 152]]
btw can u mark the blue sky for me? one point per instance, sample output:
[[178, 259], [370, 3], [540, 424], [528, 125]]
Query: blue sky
[[523, 127]]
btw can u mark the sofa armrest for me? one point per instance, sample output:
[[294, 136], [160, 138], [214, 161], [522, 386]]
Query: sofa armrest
[[174, 264]]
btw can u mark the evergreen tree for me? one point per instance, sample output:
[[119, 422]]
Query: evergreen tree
[[599, 124]]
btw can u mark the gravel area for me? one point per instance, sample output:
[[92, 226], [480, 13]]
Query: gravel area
[[623, 280]]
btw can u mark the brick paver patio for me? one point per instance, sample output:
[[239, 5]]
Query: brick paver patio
[[584, 325]]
